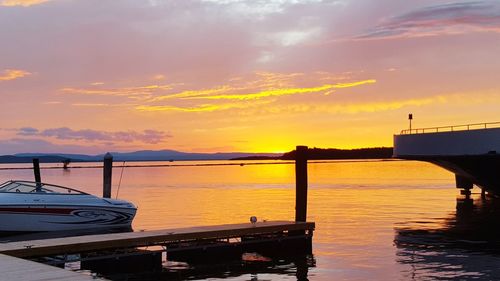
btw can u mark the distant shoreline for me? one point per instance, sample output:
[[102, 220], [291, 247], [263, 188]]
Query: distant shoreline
[[314, 154], [277, 162], [332, 154]]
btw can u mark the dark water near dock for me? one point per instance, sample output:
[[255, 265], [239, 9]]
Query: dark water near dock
[[375, 220]]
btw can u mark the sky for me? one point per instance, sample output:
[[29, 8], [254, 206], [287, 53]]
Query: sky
[[90, 76]]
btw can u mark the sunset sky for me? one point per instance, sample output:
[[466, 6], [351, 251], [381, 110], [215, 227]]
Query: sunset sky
[[90, 76]]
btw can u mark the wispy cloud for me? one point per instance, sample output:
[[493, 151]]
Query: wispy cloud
[[451, 18], [261, 9], [12, 74], [265, 90], [289, 38], [90, 104], [202, 107], [196, 93], [27, 131], [256, 89], [452, 99], [385, 106], [23, 3], [283, 92], [64, 133], [266, 84], [138, 92]]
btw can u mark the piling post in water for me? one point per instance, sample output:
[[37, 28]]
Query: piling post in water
[[107, 175], [301, 183], [36, 171]]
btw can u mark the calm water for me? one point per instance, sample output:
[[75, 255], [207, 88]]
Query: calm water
[[383, 220]]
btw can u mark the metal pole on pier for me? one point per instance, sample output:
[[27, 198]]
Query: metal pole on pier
[[36, 171], [107, 175], [301, 183], [410, 117]]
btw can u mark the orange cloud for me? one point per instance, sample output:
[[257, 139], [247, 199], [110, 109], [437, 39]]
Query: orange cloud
[[90, 104], [196, 93], [12, 74], [23, 3], [370, 107], [262, 88], [131, 92], [200, 108], [282, 92]]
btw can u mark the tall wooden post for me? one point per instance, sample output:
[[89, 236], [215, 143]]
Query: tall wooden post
[[107, 175], [36, 171], [301, 183]]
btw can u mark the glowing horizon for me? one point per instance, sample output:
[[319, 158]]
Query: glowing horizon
[[241, 76]]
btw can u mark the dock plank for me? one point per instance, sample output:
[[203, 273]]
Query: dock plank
[[12, 268], [89, 243]]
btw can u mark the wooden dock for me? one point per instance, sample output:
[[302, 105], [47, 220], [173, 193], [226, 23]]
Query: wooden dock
[[90, 243], [12, 268]]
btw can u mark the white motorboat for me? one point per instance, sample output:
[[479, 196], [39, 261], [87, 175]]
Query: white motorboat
[[34, 207]]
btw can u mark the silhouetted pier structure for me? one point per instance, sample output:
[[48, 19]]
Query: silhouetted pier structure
[[471, 152], [130, 251]]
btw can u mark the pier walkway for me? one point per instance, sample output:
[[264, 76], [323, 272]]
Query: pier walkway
[[12, 268], [88, 243], [15, 266]]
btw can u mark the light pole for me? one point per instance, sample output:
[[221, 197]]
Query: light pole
[[410, 117]]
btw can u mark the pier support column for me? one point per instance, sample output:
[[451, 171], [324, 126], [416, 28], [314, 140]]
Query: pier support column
[[301, 183], [107, 175], [465, 184]]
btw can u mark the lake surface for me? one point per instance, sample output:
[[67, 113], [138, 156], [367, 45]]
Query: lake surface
[[375, 220]]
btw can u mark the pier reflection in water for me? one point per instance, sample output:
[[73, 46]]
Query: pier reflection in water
[[286, 268], [466, 247]]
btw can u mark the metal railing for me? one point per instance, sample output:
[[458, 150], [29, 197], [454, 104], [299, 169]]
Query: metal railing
[[453, 128]]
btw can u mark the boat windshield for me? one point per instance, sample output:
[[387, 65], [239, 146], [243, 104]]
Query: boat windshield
[[31, 187]]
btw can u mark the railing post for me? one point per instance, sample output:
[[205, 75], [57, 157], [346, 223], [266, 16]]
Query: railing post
[[301, 183], [107, 175], [36, 171]]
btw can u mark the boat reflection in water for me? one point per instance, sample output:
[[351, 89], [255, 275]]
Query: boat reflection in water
[[466, 247]]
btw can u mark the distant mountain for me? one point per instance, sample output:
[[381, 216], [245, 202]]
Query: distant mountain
[[168, 155], [144, 155], [28, 159], [73, 157]]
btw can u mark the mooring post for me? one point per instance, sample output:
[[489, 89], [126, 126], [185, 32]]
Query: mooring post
[[36, 171], [301, 183], [107, 175]]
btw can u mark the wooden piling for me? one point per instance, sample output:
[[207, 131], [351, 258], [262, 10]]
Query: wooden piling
[[301, 183], [36, 171], [107, 175]]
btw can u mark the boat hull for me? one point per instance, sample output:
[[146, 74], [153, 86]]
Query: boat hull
[[37, 218]]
